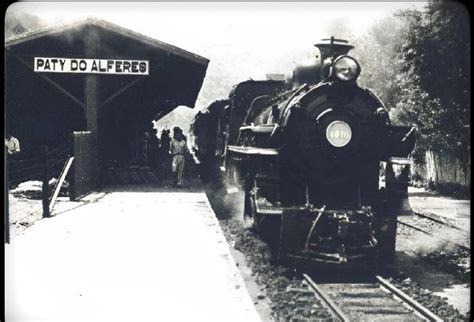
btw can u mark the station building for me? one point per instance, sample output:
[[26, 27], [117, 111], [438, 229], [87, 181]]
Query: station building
[[96, 85]]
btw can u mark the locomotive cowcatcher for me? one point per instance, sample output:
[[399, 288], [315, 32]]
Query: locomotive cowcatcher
[[307, 152]]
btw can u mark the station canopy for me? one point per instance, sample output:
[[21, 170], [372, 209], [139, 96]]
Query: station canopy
[[136, 79]]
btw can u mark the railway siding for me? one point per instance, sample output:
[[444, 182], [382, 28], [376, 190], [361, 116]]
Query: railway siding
[[439, 244]]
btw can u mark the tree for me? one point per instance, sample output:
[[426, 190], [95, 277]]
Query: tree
[[378, 54], [17, 22], [436, 55]]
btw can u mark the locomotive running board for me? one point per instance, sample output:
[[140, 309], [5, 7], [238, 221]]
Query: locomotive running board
[[248, 150], [277, 211], [232, 189], [259, 128]]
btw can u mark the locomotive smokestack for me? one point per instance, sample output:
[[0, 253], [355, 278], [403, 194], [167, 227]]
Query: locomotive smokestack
[[332, 47]]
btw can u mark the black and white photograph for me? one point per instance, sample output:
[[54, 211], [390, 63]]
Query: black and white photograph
[[237, 161]]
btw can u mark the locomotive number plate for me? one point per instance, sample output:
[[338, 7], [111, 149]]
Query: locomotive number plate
[[338, 133]]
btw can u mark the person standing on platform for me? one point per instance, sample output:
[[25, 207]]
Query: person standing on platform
[[153, 147], [12, 144], [164, 153], [12, 150], [178, 149]]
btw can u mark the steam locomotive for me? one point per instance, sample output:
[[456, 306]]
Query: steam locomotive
[[307, 152]]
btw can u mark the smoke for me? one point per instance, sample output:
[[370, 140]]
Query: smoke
[[234, 203], [340, 28], [18, 22], [181, 116], [227, 203]]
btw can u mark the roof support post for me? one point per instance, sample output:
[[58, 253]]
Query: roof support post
[[91, 91], [6, 183], [91, 86], [91, 101]]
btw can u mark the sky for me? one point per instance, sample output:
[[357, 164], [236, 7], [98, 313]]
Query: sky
[[242, 40]]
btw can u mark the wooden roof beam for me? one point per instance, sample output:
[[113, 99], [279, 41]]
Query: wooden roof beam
[[53, 83]]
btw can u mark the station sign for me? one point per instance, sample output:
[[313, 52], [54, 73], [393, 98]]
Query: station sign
[[91, 66]]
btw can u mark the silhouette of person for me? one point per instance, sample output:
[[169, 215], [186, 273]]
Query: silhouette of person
[[178, 148]]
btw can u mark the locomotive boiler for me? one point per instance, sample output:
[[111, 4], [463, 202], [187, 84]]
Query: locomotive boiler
[[307, 152]]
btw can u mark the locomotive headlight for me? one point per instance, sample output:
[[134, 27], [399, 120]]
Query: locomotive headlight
[[338, 133], [346, 68]]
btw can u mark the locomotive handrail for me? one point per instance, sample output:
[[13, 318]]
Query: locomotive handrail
[[285, 109]]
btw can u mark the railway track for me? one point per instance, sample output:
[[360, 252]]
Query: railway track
[[377, 301], [439, 220], [437, 236]]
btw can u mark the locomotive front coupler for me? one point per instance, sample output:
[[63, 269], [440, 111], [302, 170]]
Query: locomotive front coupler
[[327, 236]]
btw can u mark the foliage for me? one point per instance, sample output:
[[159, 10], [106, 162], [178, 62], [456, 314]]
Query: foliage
[[378, 54], [17, 22], [383, 72], [418, 63], [436, 56]]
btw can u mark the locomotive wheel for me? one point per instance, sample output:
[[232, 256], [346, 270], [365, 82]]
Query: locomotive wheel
[[267, 227], [385, 259], [387, 249]]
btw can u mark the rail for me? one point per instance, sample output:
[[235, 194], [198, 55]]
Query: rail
[[437, 219], [406, 305], [333, 307], [430, 316]]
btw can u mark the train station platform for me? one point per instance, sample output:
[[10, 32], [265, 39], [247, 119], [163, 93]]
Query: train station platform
[[129, 253]]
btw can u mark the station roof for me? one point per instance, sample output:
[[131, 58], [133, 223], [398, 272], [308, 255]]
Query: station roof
[[175, 77], [106, 26], [38, 102]]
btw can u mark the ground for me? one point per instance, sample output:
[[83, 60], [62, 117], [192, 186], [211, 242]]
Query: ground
[[459, 210], [25, 206], [430, 270], [129, 253], [433, 263]]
